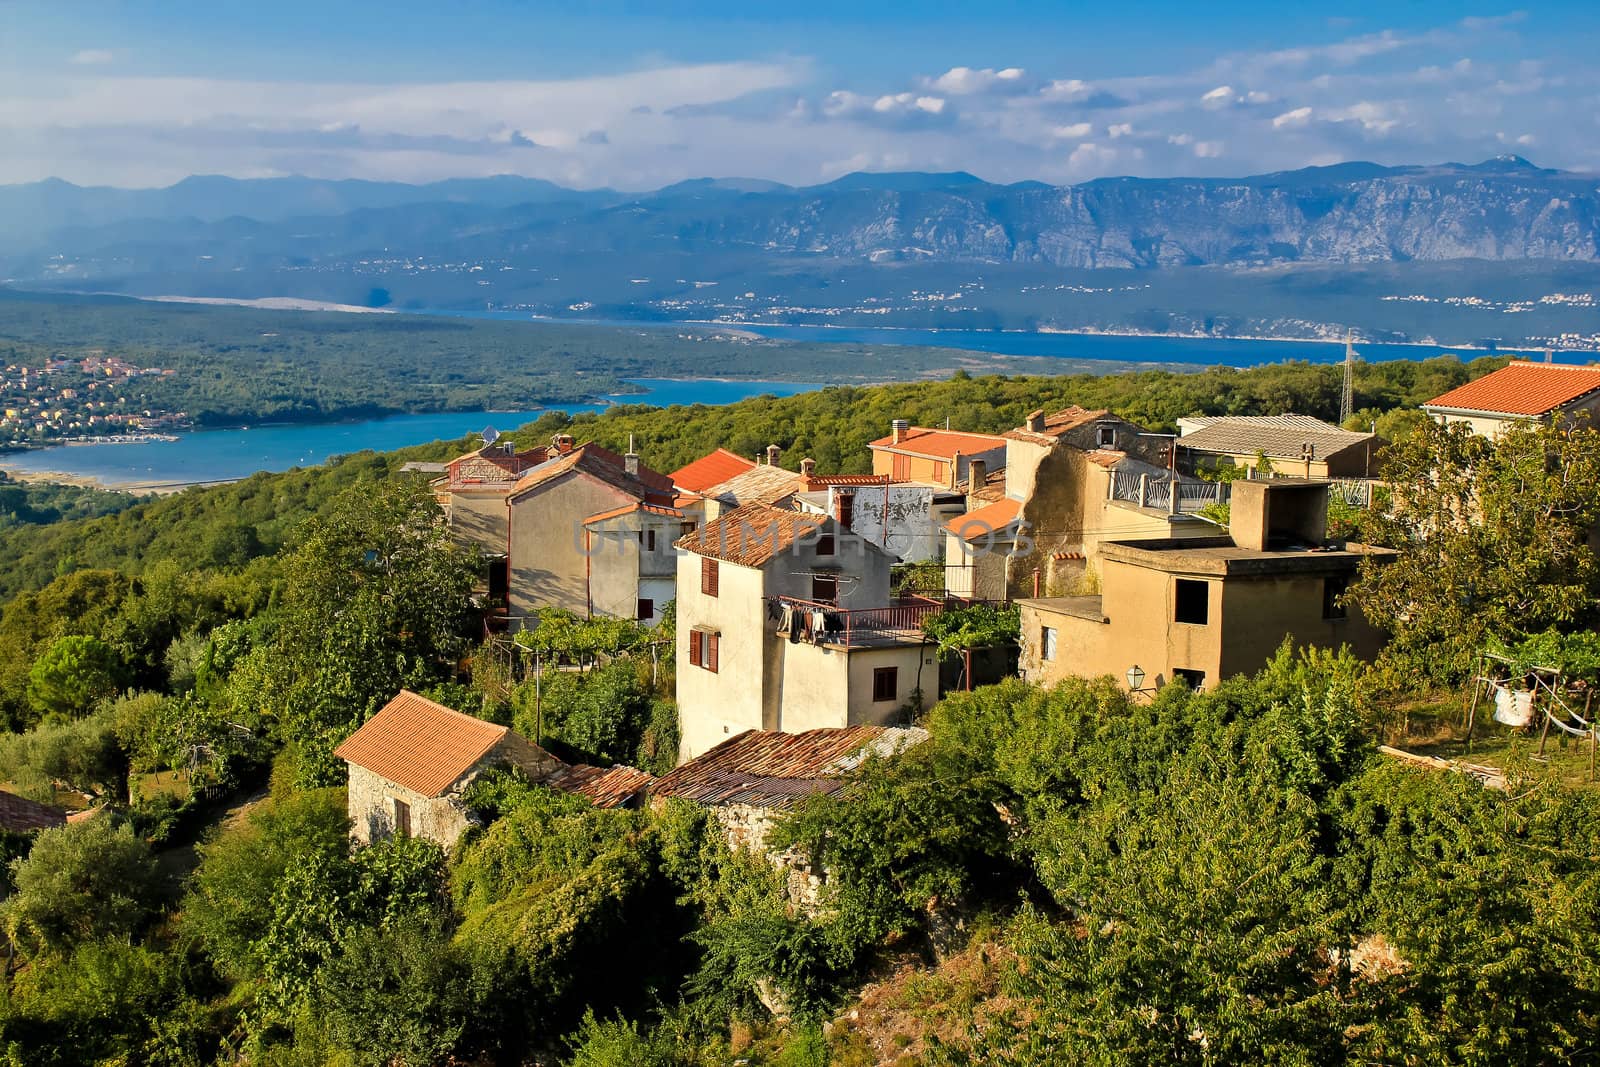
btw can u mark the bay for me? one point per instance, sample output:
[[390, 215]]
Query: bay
[[206, 456], [1108, 347]]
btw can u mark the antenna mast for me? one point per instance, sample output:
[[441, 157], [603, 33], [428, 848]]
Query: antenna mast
[[1347, 398]]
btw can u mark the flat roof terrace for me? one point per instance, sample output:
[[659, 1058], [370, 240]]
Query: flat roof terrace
[[1221, 557]]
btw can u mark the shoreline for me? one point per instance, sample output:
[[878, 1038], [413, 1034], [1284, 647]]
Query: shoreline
[[88, 481]]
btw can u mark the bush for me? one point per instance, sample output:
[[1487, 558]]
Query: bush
[[83, 881]]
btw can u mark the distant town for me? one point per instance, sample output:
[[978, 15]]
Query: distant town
[[96, 397]]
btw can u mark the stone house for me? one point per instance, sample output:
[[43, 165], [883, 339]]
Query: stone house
[[591, 531], [1521, 391], [750, 780], [1073, 480], [411, 763], [1205, 609], [785, 623]]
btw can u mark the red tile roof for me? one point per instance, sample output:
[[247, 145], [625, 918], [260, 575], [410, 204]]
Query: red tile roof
[[605, 787], [711, 469], [940, 444], [777, 770], [751, 535], [419, 744], [1522, 388], [19, 815], [599, 463], [985, 520], [759, 485], [658, 510]]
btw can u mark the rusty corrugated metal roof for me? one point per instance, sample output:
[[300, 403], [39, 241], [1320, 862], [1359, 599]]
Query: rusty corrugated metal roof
[[605, 787], [419, 744], [19, 815], [1521, 388], [765, 768]]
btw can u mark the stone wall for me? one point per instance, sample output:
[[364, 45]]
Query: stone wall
[[371, 808]]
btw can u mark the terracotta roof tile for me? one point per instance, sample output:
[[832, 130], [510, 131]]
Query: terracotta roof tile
[[659, 510], [605, 787], [985, 520], [940, 444], [711, 469], [419, 744], [1522, 388], [751, 535], [19, 815], [1055, 425], [777, 770], [599, 463]]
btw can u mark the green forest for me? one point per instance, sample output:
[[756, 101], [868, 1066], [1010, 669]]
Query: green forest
[[1062, 875], [244, 365]]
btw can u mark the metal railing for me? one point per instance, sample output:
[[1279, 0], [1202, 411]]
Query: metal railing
[[819, 621], [1165, 492]]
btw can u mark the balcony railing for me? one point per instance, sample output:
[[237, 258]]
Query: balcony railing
[[820, 622], [1164, 492]]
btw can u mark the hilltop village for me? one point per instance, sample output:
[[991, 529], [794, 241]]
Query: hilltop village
[[807, 606]]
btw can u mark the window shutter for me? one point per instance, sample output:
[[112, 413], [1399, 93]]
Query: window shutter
[[708, 576], [712, 650], [694, 648]]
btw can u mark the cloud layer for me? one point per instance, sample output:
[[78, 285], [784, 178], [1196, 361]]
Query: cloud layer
[[1463, 91]]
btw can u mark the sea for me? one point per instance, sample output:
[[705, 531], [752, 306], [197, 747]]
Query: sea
[[204, 457], [207, 456]]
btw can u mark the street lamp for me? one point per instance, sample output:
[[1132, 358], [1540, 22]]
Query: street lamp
[[1135, 677]]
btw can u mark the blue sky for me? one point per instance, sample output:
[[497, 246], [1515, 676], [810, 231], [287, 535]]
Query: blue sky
[[639, 95]]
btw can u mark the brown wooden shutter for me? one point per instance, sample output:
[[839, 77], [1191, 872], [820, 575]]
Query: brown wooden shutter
[[712, 649], [694, 648], [708, 576]]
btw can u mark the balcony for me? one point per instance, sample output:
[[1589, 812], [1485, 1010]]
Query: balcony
[[820, 623]]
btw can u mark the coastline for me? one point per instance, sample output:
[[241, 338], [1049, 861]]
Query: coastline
[[85, 481]]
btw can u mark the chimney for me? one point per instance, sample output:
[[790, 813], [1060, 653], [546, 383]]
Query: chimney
[[773, 452], [1036, 421], [900, 427], [630, 462], [561, 442], [844, 508], [808, 468]]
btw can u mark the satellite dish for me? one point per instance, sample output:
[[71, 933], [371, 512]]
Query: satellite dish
[[490, 435]]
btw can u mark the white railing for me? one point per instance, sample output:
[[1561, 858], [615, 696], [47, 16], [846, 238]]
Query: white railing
[[1166, 492]]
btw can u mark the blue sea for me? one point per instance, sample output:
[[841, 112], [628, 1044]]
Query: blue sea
[[226, 455]]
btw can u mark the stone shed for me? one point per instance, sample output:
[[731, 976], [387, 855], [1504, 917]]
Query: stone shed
[[411, 762]]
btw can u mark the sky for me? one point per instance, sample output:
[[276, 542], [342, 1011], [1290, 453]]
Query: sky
[[636, 96]]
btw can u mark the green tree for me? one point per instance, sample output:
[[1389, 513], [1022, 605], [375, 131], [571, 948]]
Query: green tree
[[375, 601], [81, 881], [1493, 538], [73, 674]]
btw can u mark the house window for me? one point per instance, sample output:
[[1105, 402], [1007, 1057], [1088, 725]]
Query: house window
[[647, 609], [825, 545], [902, 468], [1047, 643], [1194, 679], [1333, 597], [708, 576], [1192, 602], [1108, 436], [649, 540], [885, 684], [402, 818], [704, 649], [825, 589]]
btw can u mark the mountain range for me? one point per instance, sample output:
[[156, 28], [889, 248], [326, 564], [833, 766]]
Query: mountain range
[[894, 238]]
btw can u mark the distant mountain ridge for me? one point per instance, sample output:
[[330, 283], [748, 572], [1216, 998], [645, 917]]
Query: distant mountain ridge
[[1501, 209]]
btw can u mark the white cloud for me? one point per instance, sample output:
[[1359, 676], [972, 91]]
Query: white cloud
[[1300, 116], [1208, 149], [91, 57], [963, 81], [1222, 94], [1073, 132], [1120, 129], [1181, 139]]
